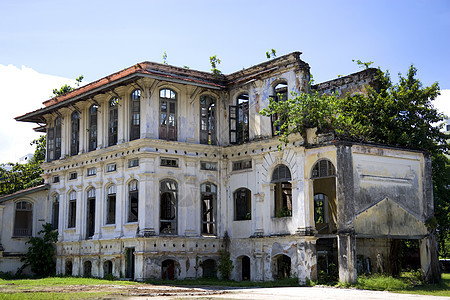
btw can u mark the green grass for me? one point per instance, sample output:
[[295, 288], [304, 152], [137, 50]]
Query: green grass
[[61, 281], [53, 296]]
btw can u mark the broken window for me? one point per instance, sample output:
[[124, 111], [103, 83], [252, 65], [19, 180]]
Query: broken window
[[208, 202], [168, 206], [133, 201], [93, 113], [280, 94], [135, 117], [75, 133], [321, 208], [113, 121], [90, 213], [23, 221], [54, 140], [242, 165], [55, 179], [282, 191], [168, 115], [323, 168], [72, 211], [208, 166], [111, 205], [207, 120], [239, 120], [169, 162], [242, 204], [55, 211]]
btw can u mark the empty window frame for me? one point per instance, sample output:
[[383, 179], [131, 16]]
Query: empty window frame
[[207, 120], [93, 120], [169, 162], [55, 211], [111, 167], [135, 115], [239, 120], [242, 165], [320, 208], [167, 115], [55, 179], [279, 94], [208, 194], [73, 175], [323, 168], [75, 133], [72, 210], [242, 204], [23, 219], [282, 191], [133, 201], [208, 166], [133, 162], [111, 205], [91, 171], [90, 213], [168, 207], [113, 121]]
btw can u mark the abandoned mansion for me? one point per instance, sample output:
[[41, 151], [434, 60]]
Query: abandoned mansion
[[156, 171]]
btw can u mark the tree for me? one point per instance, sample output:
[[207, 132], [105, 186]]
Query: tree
[[23, 176], [67, 88], [214, 61]]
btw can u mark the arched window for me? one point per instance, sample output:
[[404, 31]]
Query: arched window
[[90, 213], [107, 268], [168, 115], [111, 205], [279, 94], [75, 133], [323, 168], [242, 204], [93, 114], [207, 120], [208, 202], [72, 210], [133, 201], [239, 120], [55, 211], [282, 191], [23, 221], [168, 207], [135, 115], [113, 121], [54, 140]]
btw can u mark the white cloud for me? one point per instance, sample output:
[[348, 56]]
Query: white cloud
[[21, 91], [442, 102]]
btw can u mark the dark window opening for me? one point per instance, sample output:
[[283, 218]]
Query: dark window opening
[[239, 120], [207, 120], [280, 94], [72, 211], [107, 268], [208, 202], [23, 221], [168, 115], [75, 133], [54, 141], [111, 205], [113, 121], [283, 265], [93, 113], [69, 268], [321, 208], [129, 263], [242, 204], [282, 191], [55, 179], [245, 265], [242, 165], [87, 266], [133, 201], [168, 206], [135, 118], [168, 270], [90, 214], [169, 162], [55, 212], [72, 175], [209, 268]]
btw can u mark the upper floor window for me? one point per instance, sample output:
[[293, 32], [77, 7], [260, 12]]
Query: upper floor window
[[242, 204], [209, 166], [242, 165], [209, 211], [133, 201], [239, 120], [72, 175], [54, 140], [55, 211], [133, 162], [23, 221], [55, 179], [113, 121], [168, 207], [91, 171], [167, 115], [282, 191], [207, 120], [169, 162], [75, 133], [72, 210], [111, 167], [320, 208], [111, 205], [279, 94], [90, 213], [135, 115], [93, 119], [323, 168]]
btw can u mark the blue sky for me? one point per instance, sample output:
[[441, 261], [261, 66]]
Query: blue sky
[[96, 38]]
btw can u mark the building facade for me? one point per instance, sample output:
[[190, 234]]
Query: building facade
[[153, 171]]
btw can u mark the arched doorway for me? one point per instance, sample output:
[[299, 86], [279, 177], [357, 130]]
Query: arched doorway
[[107, 268], [69, 268], [87, 268], [209, 268], [282, 267], [243, 267], [168, 269]]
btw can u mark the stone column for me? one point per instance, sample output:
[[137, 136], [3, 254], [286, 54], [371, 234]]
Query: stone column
[[347, 257], [147, 204], [80, 216], [121, 200], [429, 260]]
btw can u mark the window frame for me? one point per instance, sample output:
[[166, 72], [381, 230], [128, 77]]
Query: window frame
[[169, 187], [72, 210], [280, 95], [24, 213], [239, 120], [246, 213], [135, 115], [166, 131], [133, 201], [74, 133], [282, 191], [113, 121], [212, 212], [111, 205], [207, 120], [55, 211], [93, 127]]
